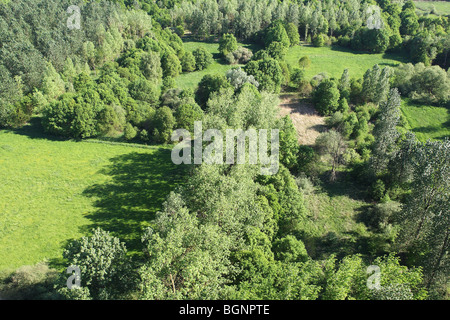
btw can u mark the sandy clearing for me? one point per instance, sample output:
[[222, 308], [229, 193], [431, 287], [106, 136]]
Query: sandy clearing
[[304, 117]]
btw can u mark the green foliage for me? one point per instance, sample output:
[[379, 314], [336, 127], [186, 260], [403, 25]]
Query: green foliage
[[103, 264], [188, 62], [276, 32], [129, 132], [319, 40], [288, 143], [208, 85], [171, 65], [326, 97], [292, 32], [304, 62], [203, 58], [290, 249], [186, 115], [267, 72], [227, 44], [163, 124]]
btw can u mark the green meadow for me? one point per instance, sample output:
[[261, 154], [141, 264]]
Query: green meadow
[[334, 60], [52, 191], [426, 122], [189, 80], [440, 7]]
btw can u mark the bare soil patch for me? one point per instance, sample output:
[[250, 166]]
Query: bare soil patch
[[308, 123]]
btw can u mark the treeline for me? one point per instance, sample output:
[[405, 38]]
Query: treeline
[[362, 25]]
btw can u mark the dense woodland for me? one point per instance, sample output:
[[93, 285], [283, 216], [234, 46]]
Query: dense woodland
[[228, 232]]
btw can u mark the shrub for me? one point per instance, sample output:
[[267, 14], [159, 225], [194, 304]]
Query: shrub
[[164, 123], [129, 132], [240, 56], [319, 40], [326, 97], [203, 58], [30, 283], [290, 249], [227, 44], [188, 63]]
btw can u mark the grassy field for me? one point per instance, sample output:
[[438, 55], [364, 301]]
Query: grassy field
[[426, 122], [441, 7], [335, 211], [52, 191], [189, 80], [334, 60]]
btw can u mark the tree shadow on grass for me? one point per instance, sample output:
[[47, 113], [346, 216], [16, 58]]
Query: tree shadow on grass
[[34, 130], [343, 186], [140, 183]]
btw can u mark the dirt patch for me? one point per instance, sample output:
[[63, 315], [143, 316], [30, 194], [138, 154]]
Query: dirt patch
[[304, 117]]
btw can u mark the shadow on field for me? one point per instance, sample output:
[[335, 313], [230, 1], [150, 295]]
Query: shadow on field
[[343, 186], [34, 130], [140, 183]]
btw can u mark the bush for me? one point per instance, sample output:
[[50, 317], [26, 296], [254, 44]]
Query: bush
[[130, 132], [326, 97], [188, 63], [290, 249], [227, 44], [319, 40], [240, 56], [203, 58], [30, 283], [164, 123], [305, 184]]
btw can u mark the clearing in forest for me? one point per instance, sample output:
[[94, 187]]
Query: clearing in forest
[[305, 118]]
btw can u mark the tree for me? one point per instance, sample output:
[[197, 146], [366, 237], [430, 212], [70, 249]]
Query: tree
[[163, 124], [151, 66], [344, 85], [238, 77], [171, 65], [143, 90], [277, 50], [188, 62], [208, 85], [288, 143], [304, 62], [103, 263], [319, 40], [292, 32], [52, 84], [326, 97], [385, 132], [425, 218], [331, 144], [185, 259], [186, 115], [227, 44], [267, 72], [203, 58], [277, 32], [290, 249]]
